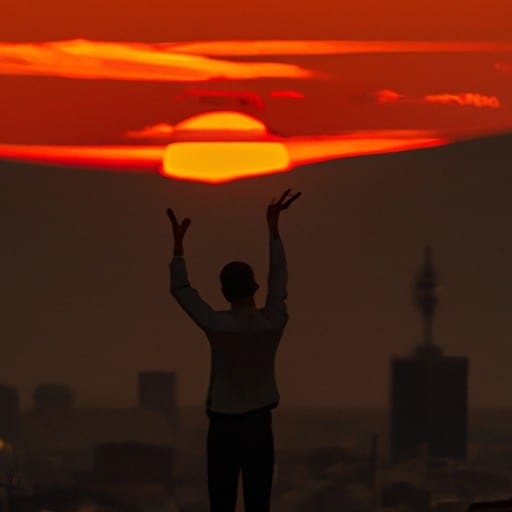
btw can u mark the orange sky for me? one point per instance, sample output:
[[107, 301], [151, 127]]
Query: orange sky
[[40, 20], [54, 110]]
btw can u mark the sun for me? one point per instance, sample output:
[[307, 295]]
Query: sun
[[219, 146], [221, 124]]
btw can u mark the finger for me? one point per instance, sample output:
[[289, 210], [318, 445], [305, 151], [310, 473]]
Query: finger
[[285, 193], [171, 215], [184, 226], [293, 198]]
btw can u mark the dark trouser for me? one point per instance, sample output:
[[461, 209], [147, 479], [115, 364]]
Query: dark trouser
[[243, 443]]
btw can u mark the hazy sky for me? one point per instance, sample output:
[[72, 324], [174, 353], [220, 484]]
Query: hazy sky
[[68, 111], [84, 260]]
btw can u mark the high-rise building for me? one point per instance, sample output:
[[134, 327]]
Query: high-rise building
[[9, 414], [429, 393], [157, 392]]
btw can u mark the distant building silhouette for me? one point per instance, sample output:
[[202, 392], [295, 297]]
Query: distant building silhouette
[[53, 397], [134, 463], [158, 392], [9, 414], [59, 444], [63, 499], [140, 475], [483, 506], [429, 395], [405, 496]]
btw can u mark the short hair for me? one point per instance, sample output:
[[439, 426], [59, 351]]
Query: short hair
[[237, 280]]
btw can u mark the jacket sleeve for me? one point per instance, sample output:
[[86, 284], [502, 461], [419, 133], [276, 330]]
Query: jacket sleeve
[[187, 297], [275, 305]]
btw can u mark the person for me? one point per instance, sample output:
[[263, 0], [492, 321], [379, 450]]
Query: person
[[242, 389]]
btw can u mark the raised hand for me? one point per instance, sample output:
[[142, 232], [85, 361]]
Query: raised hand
[[178, 231], [275, 208]]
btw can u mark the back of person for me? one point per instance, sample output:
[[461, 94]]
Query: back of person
[[242, 389], [242, 375]]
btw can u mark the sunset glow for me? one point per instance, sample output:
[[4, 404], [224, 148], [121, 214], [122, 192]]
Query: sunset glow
[[464, 99], [218, 162], [306, 47], [387, 96], [357, 97], [503, 66], [307, 150], [82, 59], [295, 95], [221, 124], [214, 96], [223, 146], [157, 131], [136, 158]]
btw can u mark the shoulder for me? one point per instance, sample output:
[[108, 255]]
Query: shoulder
[[275, 319]]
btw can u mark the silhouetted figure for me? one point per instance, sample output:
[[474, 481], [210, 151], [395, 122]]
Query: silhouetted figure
[[242, 391]]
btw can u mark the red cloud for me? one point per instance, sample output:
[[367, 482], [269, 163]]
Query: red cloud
[[464, 99], [131, 61], [218, 97], [287, 94], [461, 99], [387, 96], [503, 66], [193, 62], [329, 47], [156, 131]]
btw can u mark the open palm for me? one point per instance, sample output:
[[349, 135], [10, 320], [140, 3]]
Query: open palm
[[178, 229], [275, 208]]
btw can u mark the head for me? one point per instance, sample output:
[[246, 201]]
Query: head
[[237, 280]]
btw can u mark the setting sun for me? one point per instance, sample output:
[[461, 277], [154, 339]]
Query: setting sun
[[217, 162]]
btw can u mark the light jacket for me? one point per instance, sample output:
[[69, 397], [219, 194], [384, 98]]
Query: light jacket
[[243, 343]]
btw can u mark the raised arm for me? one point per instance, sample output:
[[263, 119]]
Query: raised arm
[[275, 305], [187, 297]]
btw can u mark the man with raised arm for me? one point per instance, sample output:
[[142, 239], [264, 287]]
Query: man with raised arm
[[242, 390]]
